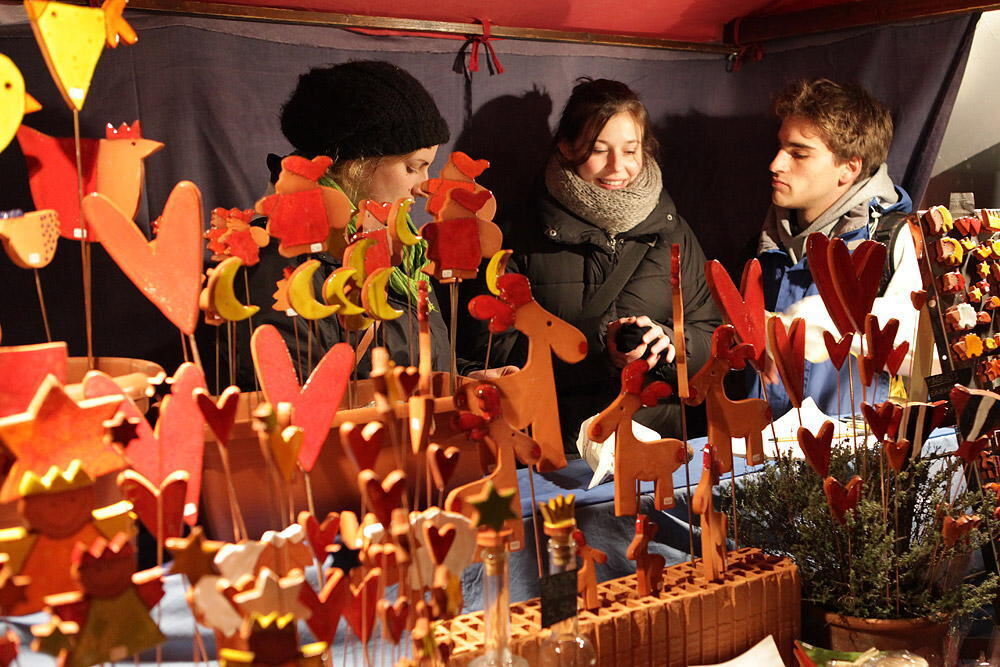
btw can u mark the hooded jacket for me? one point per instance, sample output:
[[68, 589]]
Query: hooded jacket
[[566, 259]]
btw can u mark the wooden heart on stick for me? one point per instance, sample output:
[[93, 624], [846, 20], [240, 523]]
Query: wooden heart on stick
[[837, 349], [816, 448], [817, 254], [856, 277], [167, 270], [788, 349], [842, 498], [744, 309]]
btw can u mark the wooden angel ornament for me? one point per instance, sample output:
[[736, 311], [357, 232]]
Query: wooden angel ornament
[[303, 214], [110, 611], [636, 460]]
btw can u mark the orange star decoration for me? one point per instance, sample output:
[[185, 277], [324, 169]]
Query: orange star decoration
[[54, 431], [493, 507], [194, 556], [272, 594]]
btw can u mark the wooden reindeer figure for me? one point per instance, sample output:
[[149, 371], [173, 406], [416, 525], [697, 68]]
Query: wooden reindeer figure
[[528, 397], [648, 567], [636, 460], [586, 581], [492, 429], [728, 419], [713, 524]]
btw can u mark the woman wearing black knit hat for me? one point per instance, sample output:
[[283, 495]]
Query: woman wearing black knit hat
[[382, 129]]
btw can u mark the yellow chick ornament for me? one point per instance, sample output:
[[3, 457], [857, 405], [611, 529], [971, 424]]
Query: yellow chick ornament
[[14, 100], [72, 39]]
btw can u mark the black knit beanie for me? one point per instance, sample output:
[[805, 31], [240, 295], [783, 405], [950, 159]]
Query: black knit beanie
[[361, 109]]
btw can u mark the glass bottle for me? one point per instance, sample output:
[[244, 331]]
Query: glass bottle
[[496, 605], [565, 646]]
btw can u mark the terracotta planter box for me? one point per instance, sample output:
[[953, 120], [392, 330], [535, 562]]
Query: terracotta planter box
[[849, 633]]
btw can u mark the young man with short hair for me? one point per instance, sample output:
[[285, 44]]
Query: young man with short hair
[[829, 176]]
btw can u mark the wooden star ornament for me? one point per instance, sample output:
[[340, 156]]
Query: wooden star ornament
[[493, 506]]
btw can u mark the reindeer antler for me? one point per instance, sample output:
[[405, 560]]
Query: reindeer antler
[[486, 307], [633, 376], [515, 290], [489, 400], [723, 347]]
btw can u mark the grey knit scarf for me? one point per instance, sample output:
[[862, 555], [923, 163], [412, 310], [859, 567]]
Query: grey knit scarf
[[614, 211]]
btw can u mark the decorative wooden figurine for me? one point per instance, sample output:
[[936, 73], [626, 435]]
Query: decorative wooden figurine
[[743, 309], [635, 459], [72, 39], [29, 239], [15, 101], [160, 508], [727, 418], [459, 238], [881, 352], [842, 498], [166, 270], [23, 368], [847, 283], [788, 349], [218, 299], [59, 510], [529, 396], [648, 566], [304, 215], [586, 582], [460, 172], [273, 641], [112, 166], [713, 524], [302, 294], [327, 606], [111, 609], [237, 237], [505, 442], [816, 448]]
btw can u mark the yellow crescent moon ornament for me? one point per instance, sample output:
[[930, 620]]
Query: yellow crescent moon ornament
[[375, 296], [334, 294], [222, 297], [496, 268], [301, 295], [354, 258], [400, 227]]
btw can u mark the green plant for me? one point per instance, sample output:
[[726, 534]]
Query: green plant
[[888, 559]]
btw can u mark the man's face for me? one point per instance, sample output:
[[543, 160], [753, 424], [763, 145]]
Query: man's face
[[805, 174]]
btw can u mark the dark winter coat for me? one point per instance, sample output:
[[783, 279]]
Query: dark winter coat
[[566, 259]]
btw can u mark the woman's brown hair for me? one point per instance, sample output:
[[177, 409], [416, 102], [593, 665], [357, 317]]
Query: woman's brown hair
[[591, 105]]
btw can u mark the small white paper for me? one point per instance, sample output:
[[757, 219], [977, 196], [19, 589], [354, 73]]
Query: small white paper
[[600, 456], [763, 654], [316, 247]]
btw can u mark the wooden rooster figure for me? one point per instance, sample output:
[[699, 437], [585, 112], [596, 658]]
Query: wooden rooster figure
[[636, 460]]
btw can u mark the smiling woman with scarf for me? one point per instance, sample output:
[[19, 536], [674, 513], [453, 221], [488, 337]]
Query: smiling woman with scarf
[[605, 219]]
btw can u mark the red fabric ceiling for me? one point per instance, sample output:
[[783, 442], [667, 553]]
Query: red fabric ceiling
[[686, 20]]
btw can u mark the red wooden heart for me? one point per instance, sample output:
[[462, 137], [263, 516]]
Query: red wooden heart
[[838, 350], [953, 530], [407, 378], [219, 414], [439, 540], [469, 167], [883, 419], [817, 447], [442, 462], [378, 209], [315, 403], [897, 452], [160, 509], [383, 496], [743, 309], [968, 226], [788, 349], [360, 612], [470, 200], [166, 270], [817, 253], [842, 499], [362, 444], [320, 535], [328, 606], [918, 299], [856, 277], [394, 617], [383, 556], [880, 342], [896, 357]]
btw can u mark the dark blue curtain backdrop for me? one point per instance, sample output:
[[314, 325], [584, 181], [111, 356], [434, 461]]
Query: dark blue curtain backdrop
[[211, 90]]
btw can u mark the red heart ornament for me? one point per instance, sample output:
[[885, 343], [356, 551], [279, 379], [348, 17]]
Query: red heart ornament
[[327, 606], [897, 452], [220, 414], [360, 612], [383, 496], [362, 444], [968, 226], [161, 509], [394, 617], [320, 535], [896, 357], [471, 200], [883, 419], [856, 277], [439, 540], [315, 403], [383, 556], [838, 349], [918, 299], [407, 378], [744, 309], [817, 447], [167, 270], [788, 348], [842, 499], [470, 167], [880, 343], [442, 462], [817, 254], [379, 210]]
